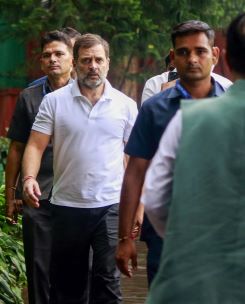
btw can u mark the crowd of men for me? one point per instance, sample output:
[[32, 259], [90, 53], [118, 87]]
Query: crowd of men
[[83, 199]]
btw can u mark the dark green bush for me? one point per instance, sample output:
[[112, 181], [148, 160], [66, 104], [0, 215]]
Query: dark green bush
[[4, 144], [12, 266]]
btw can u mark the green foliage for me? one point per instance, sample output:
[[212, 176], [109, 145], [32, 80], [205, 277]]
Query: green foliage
[[133, 27], [12, 265], [4, 144]]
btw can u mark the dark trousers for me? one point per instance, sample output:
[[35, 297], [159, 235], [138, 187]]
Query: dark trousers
[[154, 245], [74, 231], [37, 246]]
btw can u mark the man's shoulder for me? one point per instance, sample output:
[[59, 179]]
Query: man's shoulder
[[154, 115], [33, 89], [206, 117], [163, 99], [207, 107], [41, 81], [120, 94], [25, 111], [65, 90], [31, 94], [223, 81], [159, 79], [122, 98]]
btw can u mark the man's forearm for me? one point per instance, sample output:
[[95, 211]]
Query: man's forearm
[[130, 195], [13, 167], [30, 167], [128, 205], [31, 161], [131, 190]]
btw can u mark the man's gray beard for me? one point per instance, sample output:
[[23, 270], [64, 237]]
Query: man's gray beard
[[91, 84]]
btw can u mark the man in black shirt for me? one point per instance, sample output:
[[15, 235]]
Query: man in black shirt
[[56, 63]]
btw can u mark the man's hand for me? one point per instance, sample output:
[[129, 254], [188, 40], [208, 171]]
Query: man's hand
[[168, 85], [138, 220], [130, 195], [31, 162], [31, 192], [13, 208], [126, 250]]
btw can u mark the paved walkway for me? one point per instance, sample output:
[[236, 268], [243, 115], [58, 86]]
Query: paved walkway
[[135, 289]]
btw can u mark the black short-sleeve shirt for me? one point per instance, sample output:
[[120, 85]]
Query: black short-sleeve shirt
[[24, 115]]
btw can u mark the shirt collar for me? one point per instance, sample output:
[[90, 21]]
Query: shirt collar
[[106, 96], [217, 89], [178, 91], [182, 91], [75, 91], [107, 91], [46, 87]]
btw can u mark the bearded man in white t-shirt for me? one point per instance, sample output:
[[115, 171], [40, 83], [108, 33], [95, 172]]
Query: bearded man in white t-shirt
[[89, 122]]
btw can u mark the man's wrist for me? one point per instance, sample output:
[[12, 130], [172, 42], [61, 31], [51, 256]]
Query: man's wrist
[[124, 238], [26, 178], [10, 192], [11, 188]]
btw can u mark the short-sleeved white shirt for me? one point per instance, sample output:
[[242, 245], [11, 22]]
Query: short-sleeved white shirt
[[153, 85], [88, 144]]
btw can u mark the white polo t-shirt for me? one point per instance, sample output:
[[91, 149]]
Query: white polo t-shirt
[[88, 144]]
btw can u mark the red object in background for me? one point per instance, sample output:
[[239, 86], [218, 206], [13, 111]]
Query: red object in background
[[33, 55], [8, 99]]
